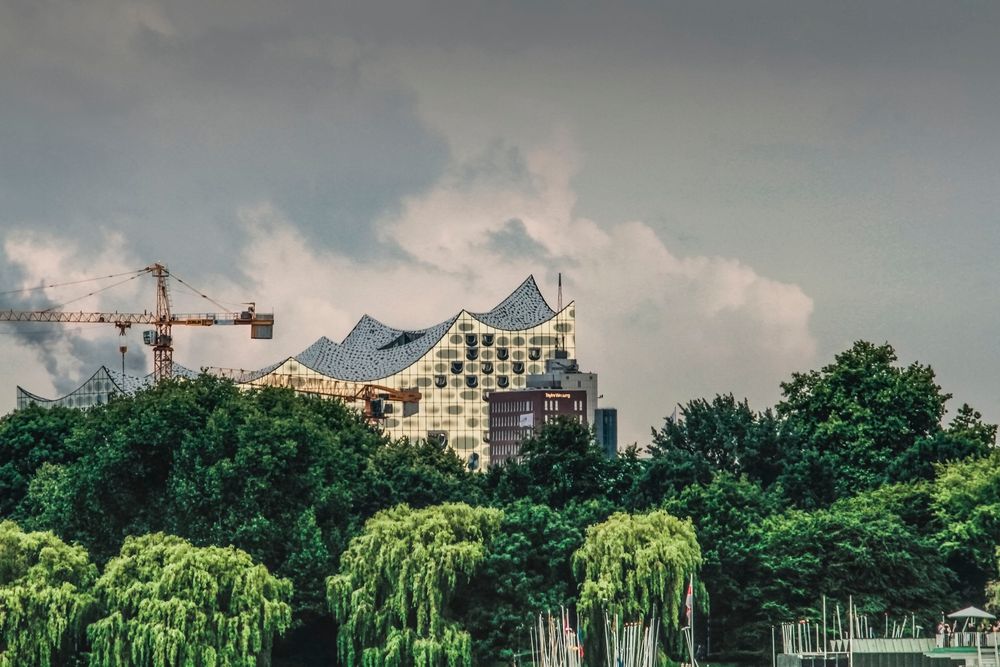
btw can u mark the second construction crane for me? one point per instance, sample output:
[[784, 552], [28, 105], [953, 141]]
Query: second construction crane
[[163, 320]]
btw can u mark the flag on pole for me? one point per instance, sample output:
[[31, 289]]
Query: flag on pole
[[689, 603]]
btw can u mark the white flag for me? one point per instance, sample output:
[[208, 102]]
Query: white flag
[[527, 419]]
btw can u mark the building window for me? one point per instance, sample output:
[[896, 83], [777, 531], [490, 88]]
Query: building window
[[503, 381], [487, 367], [470, 340], [456, 367], [472, 353], [471, 381], [534, 353], [487, 340], [518, 367], [440, 381], [502, 353]]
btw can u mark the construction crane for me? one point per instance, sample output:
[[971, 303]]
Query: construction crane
[[375, 398], [160, 338]]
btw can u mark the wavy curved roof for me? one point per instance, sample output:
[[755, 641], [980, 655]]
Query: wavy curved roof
[[374, 350], [126, 384], [523, 309]]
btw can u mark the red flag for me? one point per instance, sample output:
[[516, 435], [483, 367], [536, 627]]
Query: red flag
[[688, 604]]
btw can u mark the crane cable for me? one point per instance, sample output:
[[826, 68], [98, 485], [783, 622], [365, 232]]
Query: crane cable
[[73, 282], [199, 293], [132, 276], [97, 291]]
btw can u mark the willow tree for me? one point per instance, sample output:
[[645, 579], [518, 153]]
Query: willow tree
[[395, 582], [633, 563], [45, 597], [170, 603]]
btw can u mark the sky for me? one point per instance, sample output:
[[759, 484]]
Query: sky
[[733, 191]]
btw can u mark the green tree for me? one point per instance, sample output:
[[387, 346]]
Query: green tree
[[725, 513], [633, 563], [559, 464], [396, 582], [170, 603], [966, 436], [45, 598], [419, 474], [29, 438], [708, 438], [967, 504], [853, 419], [993, 590], [272, 473], [526, 570], [858, 547]]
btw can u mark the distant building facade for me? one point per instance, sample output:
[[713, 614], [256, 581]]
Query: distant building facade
[[563, 372], [606, 430], [516, 415]]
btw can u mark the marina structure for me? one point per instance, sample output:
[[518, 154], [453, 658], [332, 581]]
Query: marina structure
[[862, 640]]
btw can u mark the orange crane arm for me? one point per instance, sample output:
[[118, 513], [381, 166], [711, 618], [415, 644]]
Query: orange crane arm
[[342, 389], [125, 319], [128, 319]]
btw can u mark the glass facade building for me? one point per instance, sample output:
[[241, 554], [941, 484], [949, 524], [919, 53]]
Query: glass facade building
[[454, 365]]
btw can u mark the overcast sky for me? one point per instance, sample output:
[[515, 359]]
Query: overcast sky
[[733, 191]]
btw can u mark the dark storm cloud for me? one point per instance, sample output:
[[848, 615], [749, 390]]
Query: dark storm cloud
[[164, 130], [162, 118], [513, 242]]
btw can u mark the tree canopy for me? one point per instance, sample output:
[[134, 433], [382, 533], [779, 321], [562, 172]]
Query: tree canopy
[[45, 598], [170, 603], [633, 563], [275, 474], [707, 438], [397, 579], [853, 419], [854, 476]]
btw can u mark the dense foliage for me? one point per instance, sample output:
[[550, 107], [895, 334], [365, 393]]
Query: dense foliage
[[45, 598], [857, 482], [631, 564], [170, 603], [396, 582]]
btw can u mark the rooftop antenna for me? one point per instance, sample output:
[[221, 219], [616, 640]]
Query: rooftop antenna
[[561, 340], [560, 294]]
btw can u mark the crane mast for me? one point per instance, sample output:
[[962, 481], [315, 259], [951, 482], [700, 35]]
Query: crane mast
[[160, 338], [163, 350]]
